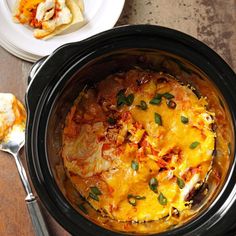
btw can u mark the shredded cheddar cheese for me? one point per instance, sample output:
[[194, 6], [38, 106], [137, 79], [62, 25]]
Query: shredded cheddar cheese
[[138, 145]]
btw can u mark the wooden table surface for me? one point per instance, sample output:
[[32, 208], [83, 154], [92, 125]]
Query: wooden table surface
[[212, 21]]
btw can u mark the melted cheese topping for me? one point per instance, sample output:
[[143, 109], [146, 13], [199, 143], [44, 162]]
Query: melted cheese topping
[[11, 113], [144, 162]]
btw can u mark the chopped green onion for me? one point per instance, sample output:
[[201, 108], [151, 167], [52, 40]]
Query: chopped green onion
[[155, 101], [94, 196], [153, 183], [168, 95], [162, 199], [111, 121], [139, 197], [95, 190], [180, 183], [134, 165], [83, 209], [121, 92], [132, 201], [121, 99], [143, 105], [184, 119], [171, 104], [129, 99], [159, 96], [194, 145], [157, 118]]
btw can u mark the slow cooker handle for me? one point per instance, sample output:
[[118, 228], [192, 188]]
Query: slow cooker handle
[[47, 69], [35, 68]]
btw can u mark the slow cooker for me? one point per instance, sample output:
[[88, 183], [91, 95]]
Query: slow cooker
[[54, 83]]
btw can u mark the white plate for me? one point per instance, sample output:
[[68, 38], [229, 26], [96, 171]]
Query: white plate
[[100, 15], [15, 52]]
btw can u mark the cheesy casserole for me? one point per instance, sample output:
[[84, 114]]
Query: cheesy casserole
[[138, 145], [48, 17], [12, 114]]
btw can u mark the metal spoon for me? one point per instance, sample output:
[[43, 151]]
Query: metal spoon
[[12, 144]]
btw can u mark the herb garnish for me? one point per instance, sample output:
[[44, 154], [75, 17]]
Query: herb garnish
[[111, 121], [180, 183], [95, 190], [194, 145], [184, 119], [134, 165], [132, 199], [82, 208], [157, 118], [142, 105], [155, 101], [168, 95], [94, 196], [162, 199], [123, 100], [153, 183]]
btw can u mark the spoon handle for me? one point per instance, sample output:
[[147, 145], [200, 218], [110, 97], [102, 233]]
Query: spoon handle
[[23, 176], [39, 225], [37, 219]]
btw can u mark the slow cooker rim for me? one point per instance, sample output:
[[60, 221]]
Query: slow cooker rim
[[34, 179]]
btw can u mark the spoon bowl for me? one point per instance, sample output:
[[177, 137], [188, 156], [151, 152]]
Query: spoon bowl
[[14, 141]]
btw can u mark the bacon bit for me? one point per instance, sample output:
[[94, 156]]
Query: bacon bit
[[144, 142], [126, 116], [154, 152], [138, 125], [111, 191], [161, 163], [106, 146], [120, 150]]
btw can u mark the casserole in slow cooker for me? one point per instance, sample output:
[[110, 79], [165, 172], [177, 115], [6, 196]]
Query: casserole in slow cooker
[[166, 146]]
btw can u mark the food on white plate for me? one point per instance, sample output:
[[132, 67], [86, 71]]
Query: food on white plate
[[138, 145], [49, 17], [12, 113]]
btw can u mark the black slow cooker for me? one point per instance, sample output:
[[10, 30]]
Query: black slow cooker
[[55, 82]]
